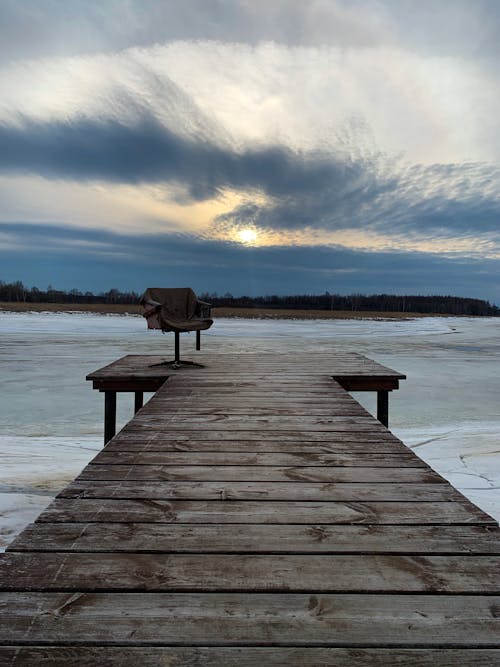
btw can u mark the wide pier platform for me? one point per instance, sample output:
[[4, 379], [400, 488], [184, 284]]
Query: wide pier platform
[[253, 513]]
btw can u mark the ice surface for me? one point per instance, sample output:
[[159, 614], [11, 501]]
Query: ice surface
[[51, 421], [33, 470]]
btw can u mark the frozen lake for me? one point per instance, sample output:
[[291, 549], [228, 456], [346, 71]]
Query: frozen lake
[[51, 421]]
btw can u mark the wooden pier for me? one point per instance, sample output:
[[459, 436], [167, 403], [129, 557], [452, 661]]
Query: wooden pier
[[252, 513]]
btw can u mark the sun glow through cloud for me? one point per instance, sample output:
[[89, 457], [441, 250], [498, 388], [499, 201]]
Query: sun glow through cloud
[[247, 236]]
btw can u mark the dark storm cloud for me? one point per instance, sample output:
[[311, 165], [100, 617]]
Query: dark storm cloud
[[147, 151], [94, 259]]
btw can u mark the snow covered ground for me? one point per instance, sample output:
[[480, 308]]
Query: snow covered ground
[[51, 420]]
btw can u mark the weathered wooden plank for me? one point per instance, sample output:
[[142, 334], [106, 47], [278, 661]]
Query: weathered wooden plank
[[234, 400], [214, 538], [145, 434], [274, 369], [310, 396], [247, 656], [168, 411], [273, 372], [256, 572], [235, 511], [126, 442], [243, 379], [201, 399], [300, 397], [279, 380], [369, 459], [258, 473], [249, 423], [208, 399], [261, 491], [259, 619], [276, 373], [310, 391]]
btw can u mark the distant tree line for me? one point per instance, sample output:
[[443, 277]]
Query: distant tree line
[[442, 305], [18, 292]]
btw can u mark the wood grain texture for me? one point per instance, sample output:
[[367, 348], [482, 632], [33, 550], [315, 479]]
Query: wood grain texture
[[247, 656], [243, 473], [254, 423], [153, 442], [260, 619], [223, 572], [371, 459], [145, 433], [257, 538], [264, 512], [204, 408], [293, 491]]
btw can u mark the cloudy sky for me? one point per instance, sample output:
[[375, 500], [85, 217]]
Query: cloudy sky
[[251, 146]]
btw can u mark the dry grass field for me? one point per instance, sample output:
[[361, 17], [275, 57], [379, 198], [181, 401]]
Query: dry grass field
[[21, 307], [255, 313], [289, 314]]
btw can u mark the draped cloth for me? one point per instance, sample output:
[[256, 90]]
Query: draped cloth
[[175, 309]]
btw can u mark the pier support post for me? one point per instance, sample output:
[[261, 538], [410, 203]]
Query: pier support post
[[383, 407], [139, 401], [198, 340], [109, 415], [177, 346]]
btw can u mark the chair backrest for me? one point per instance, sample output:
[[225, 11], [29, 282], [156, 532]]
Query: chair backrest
[[179, 302]]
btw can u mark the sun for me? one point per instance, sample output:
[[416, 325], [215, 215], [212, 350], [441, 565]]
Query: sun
[[247, 235]]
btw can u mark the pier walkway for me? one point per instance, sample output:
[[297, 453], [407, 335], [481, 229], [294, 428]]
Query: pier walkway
[[252, 513]]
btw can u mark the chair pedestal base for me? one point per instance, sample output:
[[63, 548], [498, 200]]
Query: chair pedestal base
[[178, 363]]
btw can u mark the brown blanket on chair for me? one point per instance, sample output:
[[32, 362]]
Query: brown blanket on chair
[[177, 308]]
